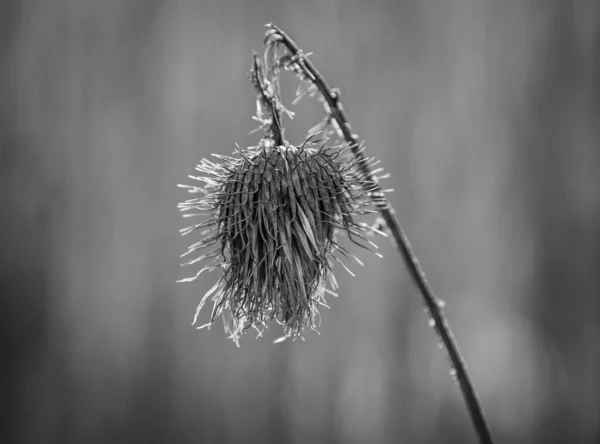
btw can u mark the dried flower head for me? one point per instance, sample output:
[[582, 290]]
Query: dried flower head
[[273, 215]]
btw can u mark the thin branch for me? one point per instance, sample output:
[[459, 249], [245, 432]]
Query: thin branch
[[268, 101], [275, 36]]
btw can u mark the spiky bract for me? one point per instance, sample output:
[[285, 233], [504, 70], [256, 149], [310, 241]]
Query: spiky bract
[[273, 215]]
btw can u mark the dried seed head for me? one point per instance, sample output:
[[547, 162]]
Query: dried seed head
[[273, 214]]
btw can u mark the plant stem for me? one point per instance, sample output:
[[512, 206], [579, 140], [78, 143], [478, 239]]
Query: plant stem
[[274, 36], [268, 100]]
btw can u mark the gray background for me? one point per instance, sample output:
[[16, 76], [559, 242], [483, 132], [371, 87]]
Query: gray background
[[485, 111]]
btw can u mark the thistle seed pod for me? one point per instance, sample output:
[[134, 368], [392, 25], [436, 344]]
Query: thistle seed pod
[[273, 215]]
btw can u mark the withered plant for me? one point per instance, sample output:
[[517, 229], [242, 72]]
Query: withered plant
[[273, 213]]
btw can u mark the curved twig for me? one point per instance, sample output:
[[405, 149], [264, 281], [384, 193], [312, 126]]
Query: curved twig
[[300, 63]]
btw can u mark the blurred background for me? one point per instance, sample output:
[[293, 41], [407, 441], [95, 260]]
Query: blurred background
[[487, 113]]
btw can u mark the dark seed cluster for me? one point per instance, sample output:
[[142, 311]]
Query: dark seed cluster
[[273, 213]]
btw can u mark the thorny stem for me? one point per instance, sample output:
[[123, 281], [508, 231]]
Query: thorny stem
[[334, 108]]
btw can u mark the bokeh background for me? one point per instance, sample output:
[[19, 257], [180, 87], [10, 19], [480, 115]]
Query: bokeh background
[[487, 112]]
